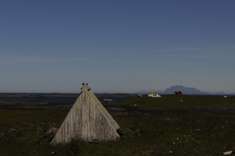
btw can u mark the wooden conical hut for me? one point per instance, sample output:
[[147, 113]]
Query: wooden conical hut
[[87, 120]]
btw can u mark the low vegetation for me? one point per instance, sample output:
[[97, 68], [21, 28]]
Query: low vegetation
[[171, 125]]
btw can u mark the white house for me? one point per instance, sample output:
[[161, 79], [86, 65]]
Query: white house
[[154, 94]]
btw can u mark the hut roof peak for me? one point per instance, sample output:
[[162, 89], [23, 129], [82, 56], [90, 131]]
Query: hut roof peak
[[85, 87]]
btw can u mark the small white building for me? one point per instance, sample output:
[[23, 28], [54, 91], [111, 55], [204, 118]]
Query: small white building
[[154, 94]]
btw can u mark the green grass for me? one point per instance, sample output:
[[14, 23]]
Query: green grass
[[181, 102], [172, 128]]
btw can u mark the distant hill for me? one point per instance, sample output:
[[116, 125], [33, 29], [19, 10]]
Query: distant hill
[[185, 90]]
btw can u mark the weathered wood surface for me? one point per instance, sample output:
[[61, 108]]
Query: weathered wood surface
[[87, 120]]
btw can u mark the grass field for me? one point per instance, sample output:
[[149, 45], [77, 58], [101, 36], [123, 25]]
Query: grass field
[[171, 125]]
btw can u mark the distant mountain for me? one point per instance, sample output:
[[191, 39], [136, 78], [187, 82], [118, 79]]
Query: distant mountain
[[185, 90]]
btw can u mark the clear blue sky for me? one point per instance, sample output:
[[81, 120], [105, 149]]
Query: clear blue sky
[[116, 46]]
